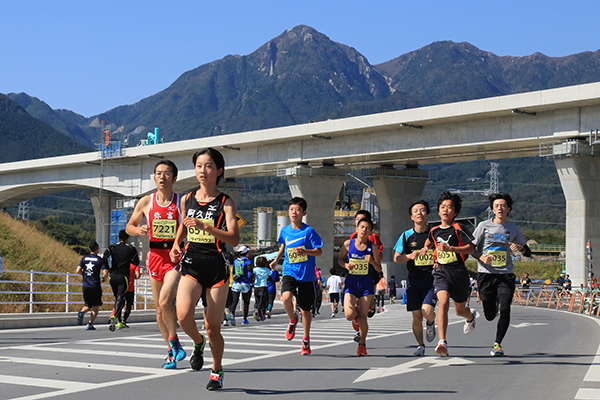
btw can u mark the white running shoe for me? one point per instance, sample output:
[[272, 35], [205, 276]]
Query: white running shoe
[[430, 331], [420, 352], [442, 348], [470, 326]]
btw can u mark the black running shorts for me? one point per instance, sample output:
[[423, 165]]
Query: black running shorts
[[209, 270], [305, 291]]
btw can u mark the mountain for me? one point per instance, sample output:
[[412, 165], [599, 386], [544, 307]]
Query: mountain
[[289, 80], [24, 137], [61, 120], [445, 72]]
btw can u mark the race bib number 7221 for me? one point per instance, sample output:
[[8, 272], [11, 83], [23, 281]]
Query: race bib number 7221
[[164, 228]]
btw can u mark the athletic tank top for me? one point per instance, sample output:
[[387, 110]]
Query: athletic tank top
[[361, 268], [199, 241], [163, 221]]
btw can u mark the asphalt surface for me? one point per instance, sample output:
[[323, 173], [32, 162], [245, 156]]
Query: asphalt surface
[[549, 354]]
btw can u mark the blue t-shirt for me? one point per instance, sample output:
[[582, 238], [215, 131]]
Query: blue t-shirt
[[272, 288], [260, 276], [91, 266], [301, 268], [241, 269]]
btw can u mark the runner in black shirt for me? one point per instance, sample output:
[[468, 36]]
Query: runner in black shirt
[[121, 255]]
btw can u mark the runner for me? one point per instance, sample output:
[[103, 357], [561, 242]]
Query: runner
[[122, 255], [392, 286], [334, 287], [272, 289], [242, 269], [360, 257], [420, 296], [453, 244], [301, 245], [380, 293], [209, 224], [89, 267], [134, 273], [495, 241], [261, 276], [163, 218]]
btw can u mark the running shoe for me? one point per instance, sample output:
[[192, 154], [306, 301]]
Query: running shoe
[[357, 337], [378, 309], [430, 331], [371, 312], [290, 332], [90, 327], [336, 309], [332, 315], [232, 322], [362, 350], [215, 381], [178, 351], [225, 322], [497, 350], [256, 315], [355, 324], [120, 325], [197, 358], [170, 362], [80, 316], [269, 314], [420, 352], [470, 326], [442, 348], [264, 318], [112, 323], [382, 309], [125, 325], [245, 322], [305, 347]]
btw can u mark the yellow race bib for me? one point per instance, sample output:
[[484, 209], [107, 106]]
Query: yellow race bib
[[446, 257], [361, 266], [499, 258], [199, 236], [296, 258], [424, 261], [164, 228]]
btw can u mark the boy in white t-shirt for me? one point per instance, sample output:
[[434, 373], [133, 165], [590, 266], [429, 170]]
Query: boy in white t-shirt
[[334, 287]]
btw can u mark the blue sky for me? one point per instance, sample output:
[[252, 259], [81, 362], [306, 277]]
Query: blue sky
[[91, 56]]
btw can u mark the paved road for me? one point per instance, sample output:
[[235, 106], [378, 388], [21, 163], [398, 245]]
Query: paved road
[[550, 354]]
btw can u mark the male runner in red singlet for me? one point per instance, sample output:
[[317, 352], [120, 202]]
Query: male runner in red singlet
[[161, 210]]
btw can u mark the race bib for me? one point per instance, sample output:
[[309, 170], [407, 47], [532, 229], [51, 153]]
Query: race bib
[[199, 236], [424, 261], [164, 228], [499, 258], [361, 266], [296, 258], [446, 257]]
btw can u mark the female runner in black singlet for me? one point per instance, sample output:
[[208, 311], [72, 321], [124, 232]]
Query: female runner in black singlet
[[209, 221]]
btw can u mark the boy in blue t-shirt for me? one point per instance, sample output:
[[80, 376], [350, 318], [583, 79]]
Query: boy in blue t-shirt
[[301, 244]]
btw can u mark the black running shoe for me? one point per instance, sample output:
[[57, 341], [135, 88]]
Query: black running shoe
[[80, 316], [197, 358], [215, 382]]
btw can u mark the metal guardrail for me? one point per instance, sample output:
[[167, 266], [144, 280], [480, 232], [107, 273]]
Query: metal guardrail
[[547, 248], [142, 289]]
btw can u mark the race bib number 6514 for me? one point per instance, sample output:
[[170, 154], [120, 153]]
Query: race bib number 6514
[[199, 236]]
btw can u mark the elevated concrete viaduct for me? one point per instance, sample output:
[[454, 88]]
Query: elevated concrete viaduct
[[314, 158]]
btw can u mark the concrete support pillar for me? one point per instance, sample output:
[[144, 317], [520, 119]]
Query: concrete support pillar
[[580, 180], [102, 204], [396, 190], [320, 187]]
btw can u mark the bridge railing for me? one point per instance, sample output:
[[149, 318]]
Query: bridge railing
[[36, 289]]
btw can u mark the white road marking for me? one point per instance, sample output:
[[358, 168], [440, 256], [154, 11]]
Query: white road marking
[[411, 366], [528, 324]]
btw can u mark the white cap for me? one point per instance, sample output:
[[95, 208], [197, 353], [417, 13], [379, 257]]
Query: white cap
[[242, 249]]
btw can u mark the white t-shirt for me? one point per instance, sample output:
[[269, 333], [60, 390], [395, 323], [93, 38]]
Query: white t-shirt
[[334, 284]]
